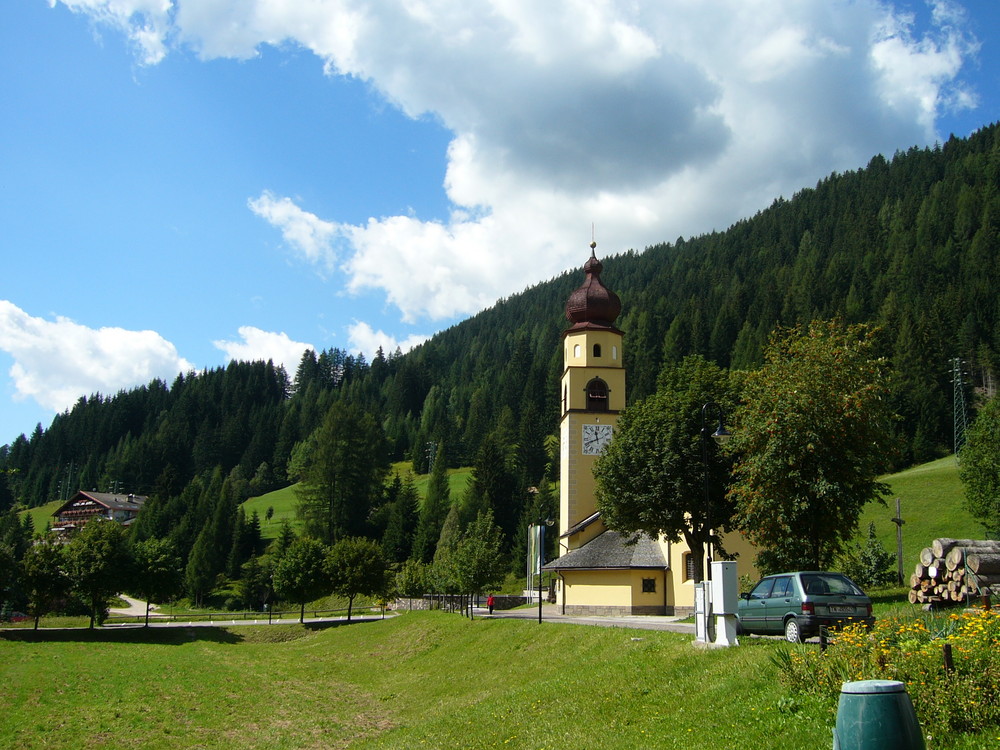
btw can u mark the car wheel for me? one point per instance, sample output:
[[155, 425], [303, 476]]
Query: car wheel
[[792, 632]]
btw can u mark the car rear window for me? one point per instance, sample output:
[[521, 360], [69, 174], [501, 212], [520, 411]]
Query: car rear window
[[829, 583]]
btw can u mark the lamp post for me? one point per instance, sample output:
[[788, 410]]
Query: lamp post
[[540, 527], [721, 437]]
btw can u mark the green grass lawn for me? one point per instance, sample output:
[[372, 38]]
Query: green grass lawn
[[427, 680]]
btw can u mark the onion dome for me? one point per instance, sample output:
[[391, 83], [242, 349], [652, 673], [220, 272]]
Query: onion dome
[[593, 305]]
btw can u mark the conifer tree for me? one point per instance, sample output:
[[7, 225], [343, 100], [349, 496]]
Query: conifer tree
[[435, 508], [397, 541], [343, 475]]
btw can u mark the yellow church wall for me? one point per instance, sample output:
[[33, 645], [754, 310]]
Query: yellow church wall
[[575, 384], [682, 587], [578, 349], [577, 486], [612, 592]]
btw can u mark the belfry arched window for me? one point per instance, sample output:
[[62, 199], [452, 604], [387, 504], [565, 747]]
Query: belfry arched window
[[597, 395], [597, 350]]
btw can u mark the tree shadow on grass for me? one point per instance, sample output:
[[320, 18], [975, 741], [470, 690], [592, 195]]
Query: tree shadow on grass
[[159, 636], [327, 624]]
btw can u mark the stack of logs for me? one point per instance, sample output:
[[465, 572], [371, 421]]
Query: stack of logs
[[953, 570]]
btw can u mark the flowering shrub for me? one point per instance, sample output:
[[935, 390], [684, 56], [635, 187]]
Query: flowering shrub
[[965, 698]]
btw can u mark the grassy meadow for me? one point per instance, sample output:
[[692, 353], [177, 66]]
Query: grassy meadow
[[932, 505], [435, 680], [428, 680]]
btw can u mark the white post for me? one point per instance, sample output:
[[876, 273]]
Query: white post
[[701, 610], [725, 592]]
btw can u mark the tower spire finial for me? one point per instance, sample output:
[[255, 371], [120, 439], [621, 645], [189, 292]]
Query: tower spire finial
[[593, 241]]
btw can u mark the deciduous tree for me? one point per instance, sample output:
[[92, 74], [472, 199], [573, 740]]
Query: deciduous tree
[[300, 576], [356, 566], [652, 476], [158, 571], [43, 577], [813, 433], [255, 583], [99, 564], [478, 560], [979, 466]]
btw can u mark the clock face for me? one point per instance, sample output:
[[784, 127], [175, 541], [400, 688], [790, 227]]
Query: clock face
[[596, 438]]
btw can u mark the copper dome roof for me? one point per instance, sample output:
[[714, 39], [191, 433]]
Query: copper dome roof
[[593, 305]]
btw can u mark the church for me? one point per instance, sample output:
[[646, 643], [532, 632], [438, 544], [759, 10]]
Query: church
[[597, 571]]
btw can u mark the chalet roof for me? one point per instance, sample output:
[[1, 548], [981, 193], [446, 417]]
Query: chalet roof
[[110, 500], [612, 550]]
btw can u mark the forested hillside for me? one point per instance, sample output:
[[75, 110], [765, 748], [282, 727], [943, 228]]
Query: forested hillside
[[910, 243]]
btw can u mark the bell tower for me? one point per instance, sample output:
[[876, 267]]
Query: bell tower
[[592, 395]]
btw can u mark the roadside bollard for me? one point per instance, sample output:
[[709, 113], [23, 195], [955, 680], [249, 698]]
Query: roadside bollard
[[876, 715]]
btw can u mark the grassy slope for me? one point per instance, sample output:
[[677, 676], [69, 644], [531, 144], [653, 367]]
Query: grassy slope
[[284, 500], [932, 505], [42, 514], [419, 680]]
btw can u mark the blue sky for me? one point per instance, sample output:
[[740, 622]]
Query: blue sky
[[186, 182]]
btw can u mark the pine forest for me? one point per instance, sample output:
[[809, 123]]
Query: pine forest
[[908, 243]]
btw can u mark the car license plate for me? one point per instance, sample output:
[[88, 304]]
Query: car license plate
[[841, 609]]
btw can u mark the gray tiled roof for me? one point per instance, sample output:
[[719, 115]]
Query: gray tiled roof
[[117, 501], [110, 500], [611, 550]]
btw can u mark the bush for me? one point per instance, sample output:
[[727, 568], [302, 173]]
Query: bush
[[964, 699], [869, 565]]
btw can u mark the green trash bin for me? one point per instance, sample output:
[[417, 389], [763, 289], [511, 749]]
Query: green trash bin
[[876, 715]]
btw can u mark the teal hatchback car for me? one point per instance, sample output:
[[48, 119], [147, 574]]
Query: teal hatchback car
[[798, 605]]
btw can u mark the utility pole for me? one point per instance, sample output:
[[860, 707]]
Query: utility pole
[[898, 520], [958, 397]]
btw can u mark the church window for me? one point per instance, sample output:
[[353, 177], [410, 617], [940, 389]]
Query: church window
[[688, 566], [597, 350], [576, 350], [597, 395], [564, 398], [649, 585], [614, 353]]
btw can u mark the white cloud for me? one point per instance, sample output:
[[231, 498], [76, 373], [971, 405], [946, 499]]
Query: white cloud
[[309, 236], [363, 338], [650, 120], [146, 23], [57, 362], [264, 345]]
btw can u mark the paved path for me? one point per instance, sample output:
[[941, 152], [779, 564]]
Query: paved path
[[551, 614], [135, 608]]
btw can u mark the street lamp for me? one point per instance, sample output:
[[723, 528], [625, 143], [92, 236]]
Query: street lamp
[[540, 544], [721, 437]]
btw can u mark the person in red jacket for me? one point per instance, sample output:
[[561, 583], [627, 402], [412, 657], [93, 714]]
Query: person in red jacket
[[489, 603]]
